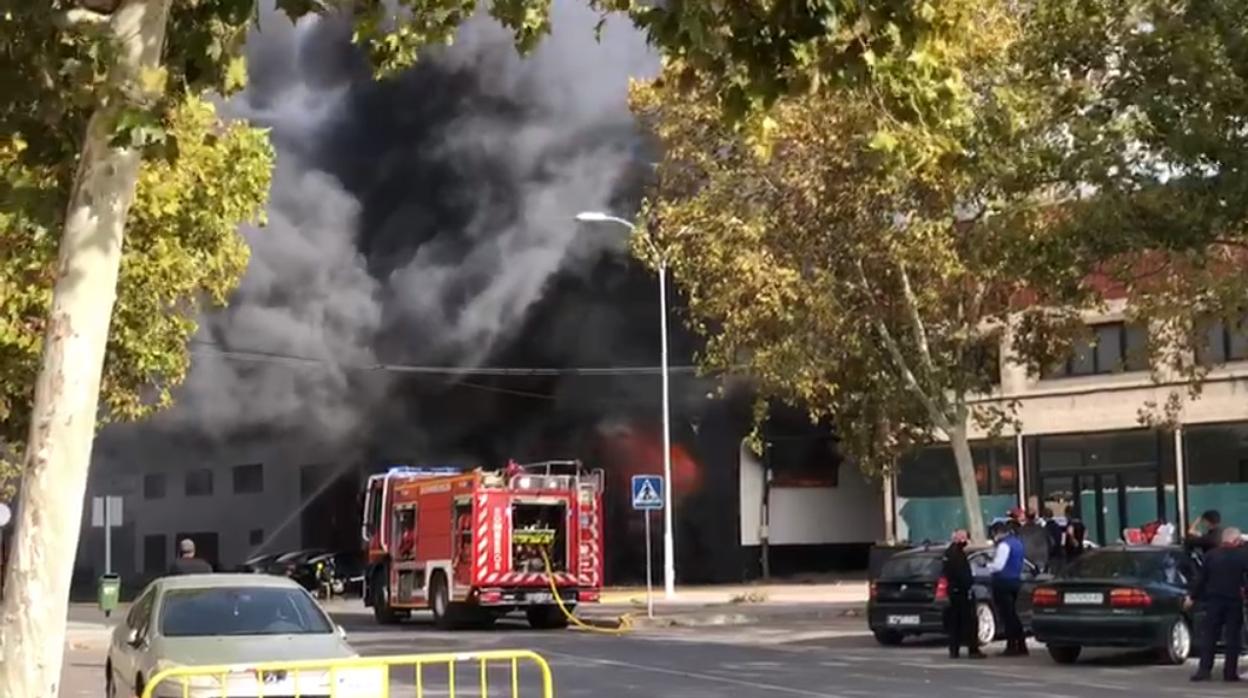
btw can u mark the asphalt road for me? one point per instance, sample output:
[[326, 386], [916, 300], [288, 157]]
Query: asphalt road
[[797, 654], [786, 657]]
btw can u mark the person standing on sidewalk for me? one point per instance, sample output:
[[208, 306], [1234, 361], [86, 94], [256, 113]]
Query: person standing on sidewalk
[[187, 563], [1007, 580], [1220, 588], [960, 621]]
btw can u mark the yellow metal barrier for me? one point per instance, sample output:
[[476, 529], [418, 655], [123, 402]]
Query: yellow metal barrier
[[353, 677]]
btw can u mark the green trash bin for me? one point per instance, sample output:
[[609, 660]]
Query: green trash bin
[[109, 593]]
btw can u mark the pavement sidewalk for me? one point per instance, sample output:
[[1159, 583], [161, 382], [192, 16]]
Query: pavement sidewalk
[[836, 592]]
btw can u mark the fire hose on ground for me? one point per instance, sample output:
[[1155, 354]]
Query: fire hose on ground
[[623, 624]]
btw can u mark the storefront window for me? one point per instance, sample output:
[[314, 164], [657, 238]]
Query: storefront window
[[1110, 480], [929, 497], [1216, 460]]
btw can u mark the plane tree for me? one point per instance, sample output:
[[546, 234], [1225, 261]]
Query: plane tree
[[93, 94]]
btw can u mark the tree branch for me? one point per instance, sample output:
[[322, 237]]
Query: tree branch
[[916, 322], [80, 17], [899, 360]]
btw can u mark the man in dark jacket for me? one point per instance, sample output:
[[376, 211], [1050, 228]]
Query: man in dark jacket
[[960, 623], [187, 563], [1208, 539], [1220, 589]]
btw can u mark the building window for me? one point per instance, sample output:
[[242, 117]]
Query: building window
[[929, 493], [1222, 342], [199, 483], [248, 479], [255, 536], [155, 554], [1216, 457], [984, 359], [1113, 347], [154, 486], [1109, 480]]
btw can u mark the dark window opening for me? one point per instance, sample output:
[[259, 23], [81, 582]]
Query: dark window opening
[[1113, 347], [199, 483], [154, 486], [155, 554], [248, 479], [1222, 341]]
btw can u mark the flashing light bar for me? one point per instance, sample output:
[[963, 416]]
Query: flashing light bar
[[424, 471]]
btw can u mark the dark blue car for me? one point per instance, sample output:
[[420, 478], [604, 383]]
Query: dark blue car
[[1129, 597]]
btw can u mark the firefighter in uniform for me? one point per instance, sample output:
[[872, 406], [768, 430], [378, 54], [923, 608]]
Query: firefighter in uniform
[[960, 622]]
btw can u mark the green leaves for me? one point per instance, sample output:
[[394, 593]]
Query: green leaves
[[182, 249]]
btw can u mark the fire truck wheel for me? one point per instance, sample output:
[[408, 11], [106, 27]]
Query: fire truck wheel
[[382, 611], [546, 618], [446, 615]]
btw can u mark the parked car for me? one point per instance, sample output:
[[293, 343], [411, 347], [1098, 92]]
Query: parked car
[[910, 596], [1120, 596], [337, 573], [286, 563], [229, 619], [259, 564]]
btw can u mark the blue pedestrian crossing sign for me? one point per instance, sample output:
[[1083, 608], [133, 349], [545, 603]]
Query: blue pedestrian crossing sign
[[647, 492]]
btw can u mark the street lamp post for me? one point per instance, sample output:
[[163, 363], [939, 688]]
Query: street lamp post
[[669, 546]]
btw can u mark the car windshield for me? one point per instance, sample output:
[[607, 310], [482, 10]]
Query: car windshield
[[911, 567], [240, 611], [1155, 566]]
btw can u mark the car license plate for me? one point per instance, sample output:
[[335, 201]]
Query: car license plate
[[903, 620], [540, 597], [1084, 599]]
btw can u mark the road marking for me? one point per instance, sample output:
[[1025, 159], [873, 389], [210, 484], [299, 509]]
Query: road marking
[[695, 675]]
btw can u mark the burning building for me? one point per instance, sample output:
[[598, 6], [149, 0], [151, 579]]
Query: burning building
[[420, 234]]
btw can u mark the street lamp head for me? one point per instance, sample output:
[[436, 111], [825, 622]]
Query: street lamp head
[[592, 217]]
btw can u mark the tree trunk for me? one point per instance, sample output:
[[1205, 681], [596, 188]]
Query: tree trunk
[[63, 417], [966, 477]]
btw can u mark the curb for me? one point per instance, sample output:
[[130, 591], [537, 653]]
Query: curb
[[724, 615], [714, 620]]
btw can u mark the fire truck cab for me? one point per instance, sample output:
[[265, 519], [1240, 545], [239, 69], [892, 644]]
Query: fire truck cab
[[468, 544]]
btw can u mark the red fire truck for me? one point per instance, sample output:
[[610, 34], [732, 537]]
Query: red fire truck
[[468, 544]]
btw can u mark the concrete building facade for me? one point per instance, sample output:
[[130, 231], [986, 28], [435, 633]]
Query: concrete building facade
[[1084, 449]]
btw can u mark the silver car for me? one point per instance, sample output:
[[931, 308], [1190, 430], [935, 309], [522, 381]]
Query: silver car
[[230, 619]]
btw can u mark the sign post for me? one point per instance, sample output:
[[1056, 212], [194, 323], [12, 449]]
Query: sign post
[[648, 497], [106, 514]]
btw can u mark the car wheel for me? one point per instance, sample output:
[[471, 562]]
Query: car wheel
[[1178, 643], [380, 589], [110, 688], [985, 623], [888, 638], [1065, 654]]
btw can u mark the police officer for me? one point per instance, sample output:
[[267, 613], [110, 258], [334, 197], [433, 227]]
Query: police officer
[[1007, 580], [960, 622], [1219, 587]]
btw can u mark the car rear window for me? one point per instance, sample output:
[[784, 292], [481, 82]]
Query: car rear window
[[911, 567], [240, 611], [1160, 566]]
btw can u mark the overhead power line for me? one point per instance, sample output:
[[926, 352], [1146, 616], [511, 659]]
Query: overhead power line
[[211, 349]]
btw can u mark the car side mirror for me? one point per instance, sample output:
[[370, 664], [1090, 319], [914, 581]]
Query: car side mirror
[[133, 638], [342, 632]]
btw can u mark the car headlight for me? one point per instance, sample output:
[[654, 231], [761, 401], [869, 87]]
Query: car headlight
[[199, 684]]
